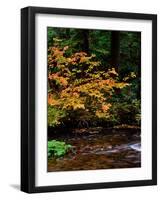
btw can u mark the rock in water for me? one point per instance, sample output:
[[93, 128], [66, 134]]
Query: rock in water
[[136, 147]]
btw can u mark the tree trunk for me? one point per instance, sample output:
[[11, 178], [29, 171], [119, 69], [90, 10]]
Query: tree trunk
[[115, 49], [85, 41]]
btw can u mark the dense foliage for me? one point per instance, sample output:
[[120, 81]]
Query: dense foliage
[[84, 88]]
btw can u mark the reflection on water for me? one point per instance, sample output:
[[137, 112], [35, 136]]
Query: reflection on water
[[106, 149]]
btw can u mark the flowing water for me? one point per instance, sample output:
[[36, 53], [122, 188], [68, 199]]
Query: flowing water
[[99, 149]]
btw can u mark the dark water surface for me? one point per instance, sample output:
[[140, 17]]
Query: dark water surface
[[98, 149]]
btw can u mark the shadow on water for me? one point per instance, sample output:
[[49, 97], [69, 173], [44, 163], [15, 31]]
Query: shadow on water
[[98, 148]]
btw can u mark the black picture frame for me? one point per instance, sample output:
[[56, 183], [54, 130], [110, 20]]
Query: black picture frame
[[28, 98]]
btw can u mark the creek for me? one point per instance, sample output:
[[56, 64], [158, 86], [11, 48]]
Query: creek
[[98, 149]]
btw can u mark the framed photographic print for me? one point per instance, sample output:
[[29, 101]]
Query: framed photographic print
[[88, 99]]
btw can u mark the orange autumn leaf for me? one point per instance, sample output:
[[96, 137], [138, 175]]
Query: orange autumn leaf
[[52, 101], [106, 107]]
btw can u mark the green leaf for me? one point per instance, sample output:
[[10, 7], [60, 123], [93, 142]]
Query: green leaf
[[58, 148]]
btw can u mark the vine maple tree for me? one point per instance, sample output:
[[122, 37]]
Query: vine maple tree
[[78, 89]]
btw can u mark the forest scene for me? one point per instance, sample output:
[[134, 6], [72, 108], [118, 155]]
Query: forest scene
[[94, 99]]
